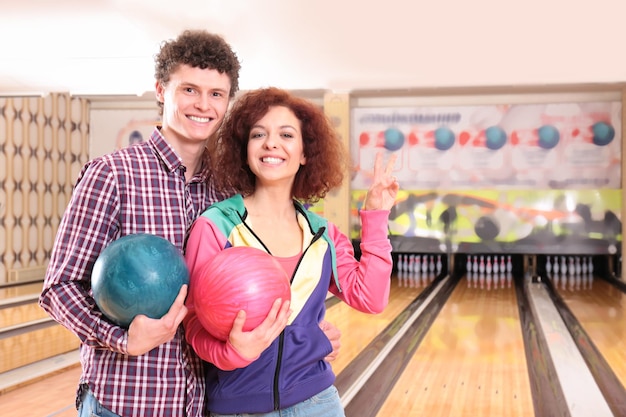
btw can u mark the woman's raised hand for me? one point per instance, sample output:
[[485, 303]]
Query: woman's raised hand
[[384, 189]]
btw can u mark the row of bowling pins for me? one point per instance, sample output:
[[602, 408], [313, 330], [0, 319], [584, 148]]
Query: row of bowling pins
[[487, 264], [493, 280], [419, 263], [414, 279], [572, 265], [573, 282]]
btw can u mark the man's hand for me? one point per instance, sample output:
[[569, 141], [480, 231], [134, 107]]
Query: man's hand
[[333, 334], [144, 333]]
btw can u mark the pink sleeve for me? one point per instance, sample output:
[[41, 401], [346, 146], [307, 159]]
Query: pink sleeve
[[365, 284], [203, 243]]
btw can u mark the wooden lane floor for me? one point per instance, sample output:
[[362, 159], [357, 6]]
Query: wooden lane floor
[[53, 396], [600, 308], [359, 329], [471, 361]]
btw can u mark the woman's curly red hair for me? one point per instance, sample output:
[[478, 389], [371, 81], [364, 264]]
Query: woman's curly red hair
[[327, 158]]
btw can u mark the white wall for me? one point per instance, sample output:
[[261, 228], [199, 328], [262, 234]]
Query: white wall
[[339, 45]]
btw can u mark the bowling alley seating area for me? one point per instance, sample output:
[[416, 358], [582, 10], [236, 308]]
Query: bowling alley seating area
[[35, 346]]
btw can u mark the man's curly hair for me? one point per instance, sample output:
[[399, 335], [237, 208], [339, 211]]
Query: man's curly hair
[[201, 49]]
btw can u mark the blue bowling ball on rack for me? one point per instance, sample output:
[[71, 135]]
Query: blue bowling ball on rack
[[495, 137], [549, 136], [444, 138], [138, 274], [394, 139], [603, 133]]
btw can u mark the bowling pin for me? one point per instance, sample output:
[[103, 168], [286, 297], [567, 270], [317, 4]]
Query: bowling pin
[[401, 262]]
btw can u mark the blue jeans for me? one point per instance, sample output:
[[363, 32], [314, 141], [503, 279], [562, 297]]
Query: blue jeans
[[324, 404], [90, 407]]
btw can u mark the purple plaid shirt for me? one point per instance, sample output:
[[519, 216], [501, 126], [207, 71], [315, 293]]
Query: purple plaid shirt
[[139, 189]]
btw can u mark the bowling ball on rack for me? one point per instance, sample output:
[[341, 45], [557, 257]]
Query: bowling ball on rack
[[495, 137], [238, 278], [394, 139], [138, 274], [444, 138], [603, 133], [548, 136]]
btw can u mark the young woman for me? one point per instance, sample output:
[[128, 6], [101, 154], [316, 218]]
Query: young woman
[[278, 152]]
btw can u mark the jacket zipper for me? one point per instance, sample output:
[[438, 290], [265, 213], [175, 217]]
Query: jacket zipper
[[281, 340]]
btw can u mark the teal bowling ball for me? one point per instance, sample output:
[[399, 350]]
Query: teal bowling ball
[[444, 138], [394, 139], [603, 133], [548, 136], [495, 137], [137, 274]]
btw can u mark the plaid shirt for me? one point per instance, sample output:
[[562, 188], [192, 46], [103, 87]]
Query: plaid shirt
[[139, 189]]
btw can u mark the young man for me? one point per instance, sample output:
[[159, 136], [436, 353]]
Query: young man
[[159, 187]]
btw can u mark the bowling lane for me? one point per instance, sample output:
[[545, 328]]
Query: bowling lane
[[50, 396], [359, 329], [472, 359], [601, 310], [30, 291]]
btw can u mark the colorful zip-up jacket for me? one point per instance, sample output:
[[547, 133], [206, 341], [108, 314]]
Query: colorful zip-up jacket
[[292, 369]]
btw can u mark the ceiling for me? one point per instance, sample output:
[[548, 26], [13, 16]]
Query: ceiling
[[106, 47]]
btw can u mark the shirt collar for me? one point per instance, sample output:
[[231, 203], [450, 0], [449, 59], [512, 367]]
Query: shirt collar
[[164, 151], [170, 158]]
